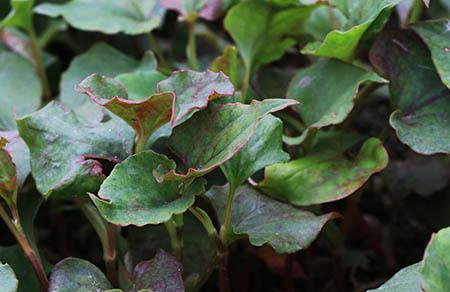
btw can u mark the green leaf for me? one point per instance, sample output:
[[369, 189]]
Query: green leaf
[[327, 99], [8, 278], [268, 35], [16, 259], [145, 116], [193, 90], [216, 134], [405, 280], [107, 16], [436, 262], [101, 59], [131, 195], [8, 181], [342, 43], [228, 64], [162, 273], [264, 148], [190, 9], [142, 84], [72, 274], [199, 250], [324, 175], [20, 91], [421, 117], [21, 15], [265, 220], [436, 34], [64, 150], [20, 154]]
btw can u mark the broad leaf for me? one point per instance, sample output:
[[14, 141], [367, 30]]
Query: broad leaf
[[20, 154], [162, 273], [64, 150], [324, 175], [405, 280], [8, 279], [422, 116], [72, 274], [190, 9], [264, 148], [108, 16], [193, 90], [265, 220], [228, 64], [101, 59], [131, 195], [342, 43], [327, 99], [20, 91], [268, 35], [216, 134], [199, 250], [20, 15], [436, 35], [145, 116], [8, 181], [142, 84], [436, 263]]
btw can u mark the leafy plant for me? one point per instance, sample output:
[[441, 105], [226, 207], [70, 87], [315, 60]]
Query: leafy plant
[[191, 135]]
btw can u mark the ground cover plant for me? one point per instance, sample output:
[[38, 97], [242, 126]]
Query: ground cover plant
[[224, 145]]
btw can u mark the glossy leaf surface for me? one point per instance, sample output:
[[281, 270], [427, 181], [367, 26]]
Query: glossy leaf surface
[[265, 220], [131, 195], [422, 116], [107, 16], [324, 176], [406, 280], [64, 150], [8, 279]]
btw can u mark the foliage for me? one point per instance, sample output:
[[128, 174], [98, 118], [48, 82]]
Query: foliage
[[239, 130]]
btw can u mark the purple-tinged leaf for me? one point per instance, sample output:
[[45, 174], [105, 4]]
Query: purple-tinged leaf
[[216, 134], [144, 116], [20, 154], [8, 181], [193, 90], [163, 273], [206, 9]]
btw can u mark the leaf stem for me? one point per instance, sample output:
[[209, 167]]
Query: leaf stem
[[191, 50], [107, 235], [245, 84], [37, 54], [224, 230], [16, 229], [176, 236], [140, 143], [157, 49]]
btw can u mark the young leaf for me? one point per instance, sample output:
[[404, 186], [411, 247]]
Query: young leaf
[[216, 134], [421, 117], [193, 90], [162, 273], [64, 150], [107, 16], [228, 64], [342, 43], [436, 262], [8, 279], [145, 116], [199, 250], [141, 84], [20, 91], [20, 15], [436, 35], [131, 195], [327, 99], [206, 9], [405, 280], [324, 176], [8, 181], [264, 148], [72, 274], [268, 35], [265, 220]]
